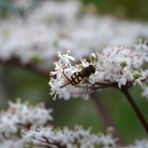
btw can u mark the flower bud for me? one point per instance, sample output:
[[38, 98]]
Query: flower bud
[[93, 58]]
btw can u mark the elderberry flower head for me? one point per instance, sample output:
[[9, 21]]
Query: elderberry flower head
[[50, 26], [23, 4], [11, 143], [22, 116], [78, 137], [139, 144], [114, 66], [145, 92]]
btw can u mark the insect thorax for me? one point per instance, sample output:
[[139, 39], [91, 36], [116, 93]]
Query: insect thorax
[[87, 71]]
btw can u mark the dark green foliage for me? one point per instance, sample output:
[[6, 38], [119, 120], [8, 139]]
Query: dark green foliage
[[133, 9]]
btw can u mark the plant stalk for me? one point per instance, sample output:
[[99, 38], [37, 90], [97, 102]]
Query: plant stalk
[[135, 108]]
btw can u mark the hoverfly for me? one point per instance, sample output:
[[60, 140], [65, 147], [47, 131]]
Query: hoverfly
[[78, 76]]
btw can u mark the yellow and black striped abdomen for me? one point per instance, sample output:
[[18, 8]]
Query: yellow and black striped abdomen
[[76, 78]]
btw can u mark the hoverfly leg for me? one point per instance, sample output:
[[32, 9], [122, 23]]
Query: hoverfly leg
[[64, 85], [86, 91], [66, 76], [69, 81]]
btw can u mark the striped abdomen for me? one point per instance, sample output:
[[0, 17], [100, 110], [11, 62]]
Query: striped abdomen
[[76, 78]]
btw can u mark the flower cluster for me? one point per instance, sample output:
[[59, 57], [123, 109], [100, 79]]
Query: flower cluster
[[51, 27], [23, 4], [22, 116], [145, 92], [121, 65], [17, 143], [113, 65], [78, 137], [139, 144], [22, 125]]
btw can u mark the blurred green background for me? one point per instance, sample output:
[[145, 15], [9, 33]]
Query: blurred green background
[[16, 82], [133, 9]]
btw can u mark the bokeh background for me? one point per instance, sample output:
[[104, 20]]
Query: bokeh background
[[133, 9], [16, 82]]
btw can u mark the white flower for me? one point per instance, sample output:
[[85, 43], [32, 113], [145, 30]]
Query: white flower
[[22, 4], [27, 114], [68, 138], [22, 116], [12, 144], [114, 65], [145, 92], [7, 125], [143, 143], [121, 82], [50, 28]]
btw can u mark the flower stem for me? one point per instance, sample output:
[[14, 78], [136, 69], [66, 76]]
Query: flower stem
[[135, 108], [105, 116]]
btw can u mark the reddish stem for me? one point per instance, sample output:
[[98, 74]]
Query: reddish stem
[[135, 108]]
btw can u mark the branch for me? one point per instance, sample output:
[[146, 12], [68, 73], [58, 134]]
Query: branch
[[45, 73], [135, 108]]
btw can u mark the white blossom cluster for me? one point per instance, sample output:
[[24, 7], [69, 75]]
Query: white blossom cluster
[[139, 144], [18, 143], [121, 65], [63, 25], [78, 137], [145, 92], [23, 4], [23, 125], [22, 116]]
